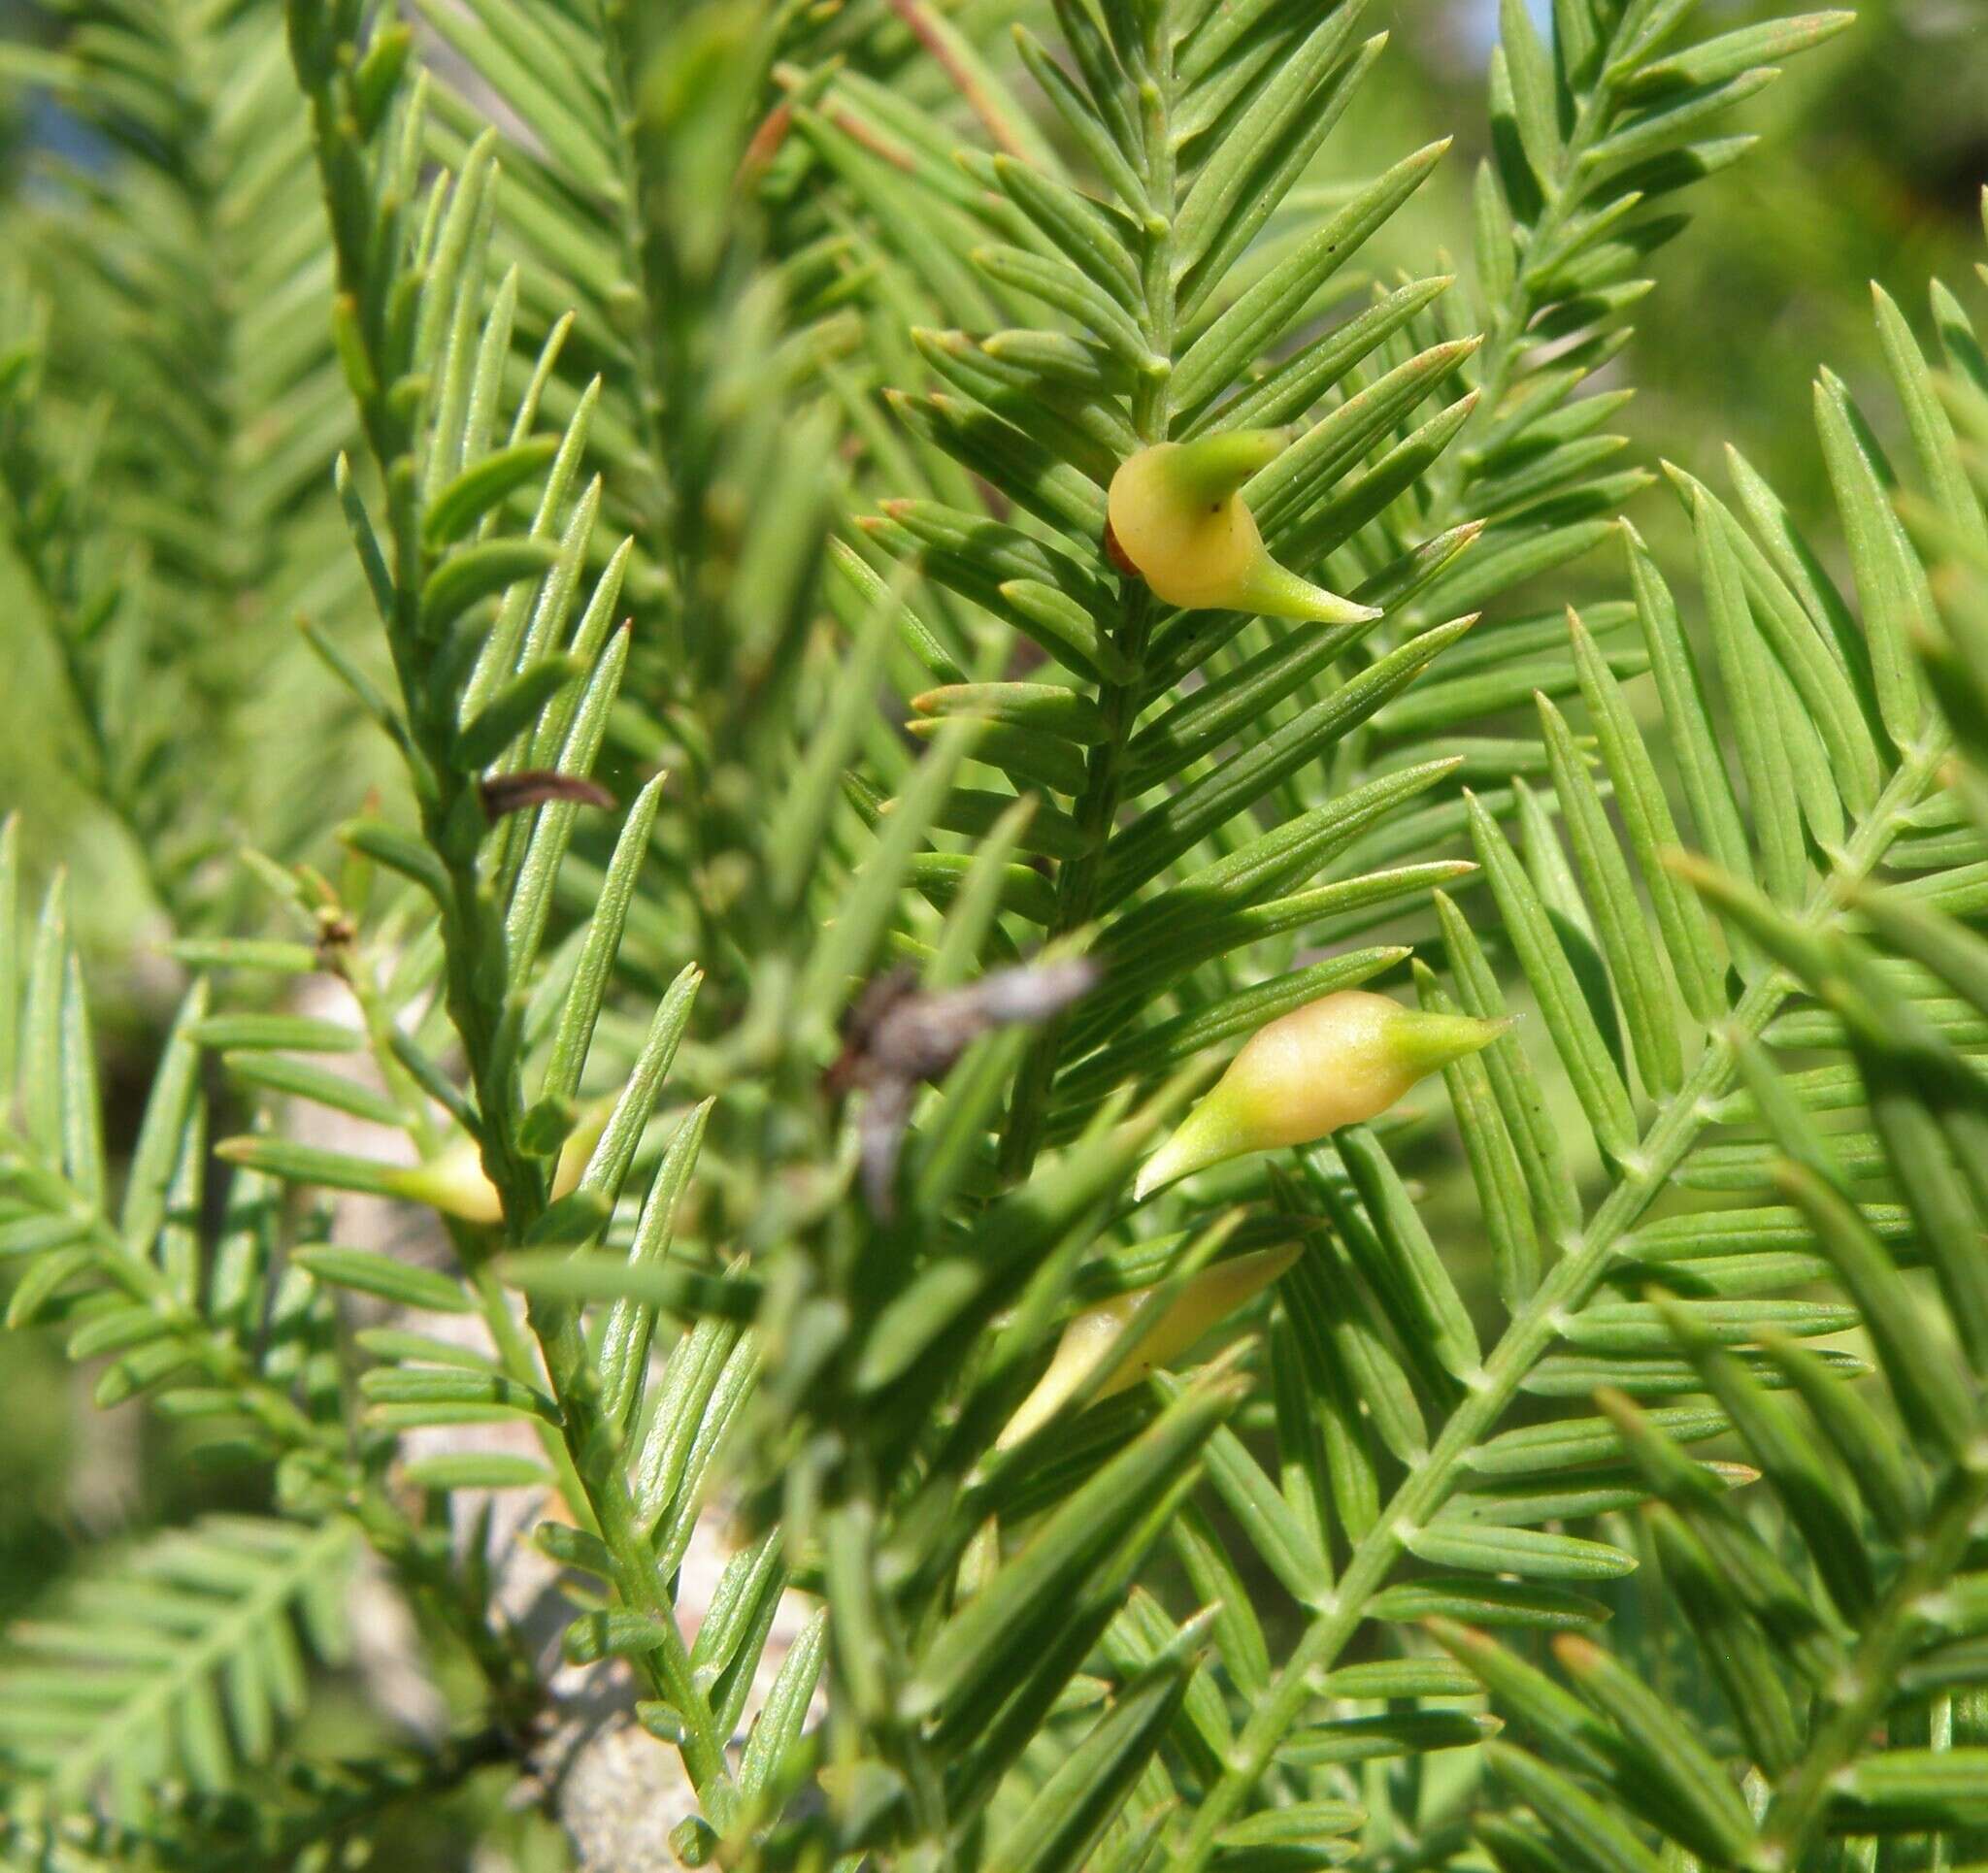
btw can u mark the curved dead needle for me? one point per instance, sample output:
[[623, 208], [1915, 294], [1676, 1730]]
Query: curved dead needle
[[513, 793]]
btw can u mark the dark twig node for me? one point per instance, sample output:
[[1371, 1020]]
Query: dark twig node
[[897, 1037]]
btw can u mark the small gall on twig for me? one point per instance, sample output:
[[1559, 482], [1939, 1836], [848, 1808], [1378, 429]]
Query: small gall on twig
[[1093, 1339], [897, 1037], [513, 793], [1341, 1060], [1176, 517]]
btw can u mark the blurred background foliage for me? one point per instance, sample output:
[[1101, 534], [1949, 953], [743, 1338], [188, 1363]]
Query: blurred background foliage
[[1872, 150], [1869, 168]]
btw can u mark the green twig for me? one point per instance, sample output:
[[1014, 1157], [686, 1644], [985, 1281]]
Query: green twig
[[1531, 1335]]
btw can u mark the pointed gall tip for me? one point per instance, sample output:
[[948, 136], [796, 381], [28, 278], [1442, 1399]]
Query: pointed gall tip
[[1188, 1148], [1426, 1042], [1276, 591]]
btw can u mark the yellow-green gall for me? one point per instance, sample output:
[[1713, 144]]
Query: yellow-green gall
[[1092, 1337], [1335, 1062], [1176, 519], [453, 1182]]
